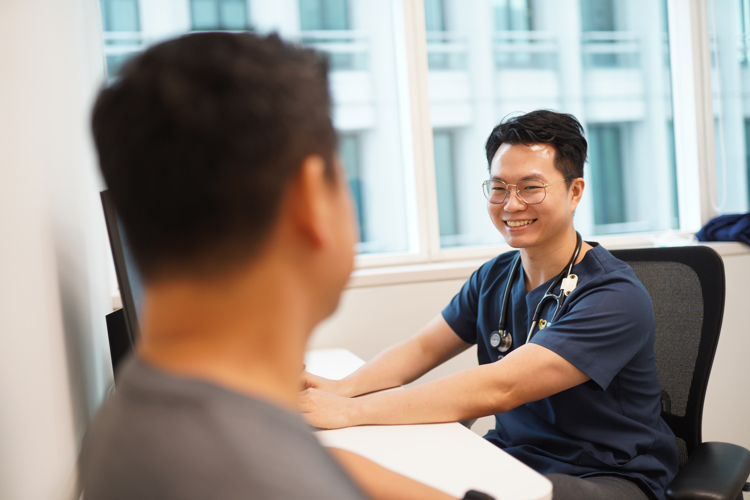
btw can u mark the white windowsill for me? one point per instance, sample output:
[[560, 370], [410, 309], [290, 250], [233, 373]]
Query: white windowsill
[[462, 269]]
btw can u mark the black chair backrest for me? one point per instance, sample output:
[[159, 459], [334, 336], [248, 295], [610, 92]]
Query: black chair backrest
[[687, 289]]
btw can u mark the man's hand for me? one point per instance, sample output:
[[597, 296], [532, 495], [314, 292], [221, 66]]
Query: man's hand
[[325, 410], [310, 381]]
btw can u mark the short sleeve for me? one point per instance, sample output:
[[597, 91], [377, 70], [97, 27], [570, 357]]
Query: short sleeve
[[461, 312], [603, 328]]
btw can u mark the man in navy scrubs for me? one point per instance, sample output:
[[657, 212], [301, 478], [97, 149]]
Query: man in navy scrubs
[[580, 400]]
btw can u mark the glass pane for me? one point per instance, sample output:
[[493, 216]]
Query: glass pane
[[205, 14], [512, 15], [219, 15], [446, 185], [324, 14], [349, 152], [730, 50], [604, 61], [234, 15], [121, 23], [358, 38], [606, 165], [311, 14], [444, 51], [120, 15], [433, 14]]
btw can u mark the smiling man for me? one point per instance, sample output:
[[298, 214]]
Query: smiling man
[[571, 379]]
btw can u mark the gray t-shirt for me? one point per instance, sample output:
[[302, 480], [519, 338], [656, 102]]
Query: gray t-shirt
[[167, 437]]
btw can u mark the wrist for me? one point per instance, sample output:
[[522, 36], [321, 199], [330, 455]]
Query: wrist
[[346, 387], [355, 413]]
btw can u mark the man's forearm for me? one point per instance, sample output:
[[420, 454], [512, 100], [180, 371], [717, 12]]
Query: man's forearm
[[406, 361], [529, 373], [467, 394], [394, 367]]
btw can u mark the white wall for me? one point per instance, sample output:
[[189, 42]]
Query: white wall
[[54, 367], [372, 318]]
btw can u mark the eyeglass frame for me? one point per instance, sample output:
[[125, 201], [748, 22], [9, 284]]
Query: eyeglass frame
[[518, 193]]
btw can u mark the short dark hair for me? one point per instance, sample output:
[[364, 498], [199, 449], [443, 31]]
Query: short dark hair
[[199, 137], [563, 131]]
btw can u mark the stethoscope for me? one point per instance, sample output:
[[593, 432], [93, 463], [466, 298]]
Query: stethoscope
[[502, 340]]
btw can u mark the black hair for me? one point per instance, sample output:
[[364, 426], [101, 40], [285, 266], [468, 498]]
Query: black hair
[[563, 131], [198, 139]]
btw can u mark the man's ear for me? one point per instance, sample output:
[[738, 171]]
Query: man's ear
[[576, 192], [310, 201]]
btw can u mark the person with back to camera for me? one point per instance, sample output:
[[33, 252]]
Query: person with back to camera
[[571, 380], [218, 152]]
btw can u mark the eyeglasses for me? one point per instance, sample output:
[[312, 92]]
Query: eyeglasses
[[530, 192]]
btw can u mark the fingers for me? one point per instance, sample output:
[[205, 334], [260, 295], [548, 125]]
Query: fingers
[[324, 410]]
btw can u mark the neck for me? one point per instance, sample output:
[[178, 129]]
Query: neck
[[541, 264], [240, 332]]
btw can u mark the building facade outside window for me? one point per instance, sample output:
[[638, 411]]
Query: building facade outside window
[[217, 15], [603, 62], [122, 31], [445, 169], [729, 27], [370, 109], [412, 117]]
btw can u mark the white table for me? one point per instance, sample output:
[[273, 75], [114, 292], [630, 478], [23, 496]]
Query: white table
[[448, 457]]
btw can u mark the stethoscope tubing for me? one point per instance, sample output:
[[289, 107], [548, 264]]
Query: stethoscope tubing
[[505, 339]]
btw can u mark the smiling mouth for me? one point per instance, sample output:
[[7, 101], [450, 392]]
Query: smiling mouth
[[519, 223]]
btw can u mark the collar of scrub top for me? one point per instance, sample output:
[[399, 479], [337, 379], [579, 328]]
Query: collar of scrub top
[[502, 339]]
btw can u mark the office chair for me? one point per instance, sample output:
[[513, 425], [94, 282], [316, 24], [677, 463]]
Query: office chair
[[687, 290]]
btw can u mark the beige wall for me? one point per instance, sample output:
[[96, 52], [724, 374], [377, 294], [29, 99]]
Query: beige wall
[[54, 362]]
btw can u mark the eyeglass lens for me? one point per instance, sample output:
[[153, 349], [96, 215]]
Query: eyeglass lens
[[531, 191]]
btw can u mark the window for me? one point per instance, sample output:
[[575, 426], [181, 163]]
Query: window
[[610, 72], [326, 25], [371, 106], [349, 154], [446, 185], [516, 43], [418, 85], [604, 44], [606, 162], [122, 37], [730, 37], [219, 15]]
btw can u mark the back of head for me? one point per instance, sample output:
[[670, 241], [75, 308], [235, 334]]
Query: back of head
[[197, 141], [563, 131]]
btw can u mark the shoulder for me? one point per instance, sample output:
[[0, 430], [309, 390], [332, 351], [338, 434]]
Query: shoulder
[[603, 266], [196, 434], [605, 278], [609, 284]]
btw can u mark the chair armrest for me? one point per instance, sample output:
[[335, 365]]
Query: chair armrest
[[714, 471]]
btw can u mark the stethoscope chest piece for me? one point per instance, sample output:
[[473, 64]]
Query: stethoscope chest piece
[[501, 340]]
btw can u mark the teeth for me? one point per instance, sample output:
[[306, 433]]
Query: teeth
[[516, 223]]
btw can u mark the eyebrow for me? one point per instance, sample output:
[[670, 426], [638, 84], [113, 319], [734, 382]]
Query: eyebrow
[[534, 176]]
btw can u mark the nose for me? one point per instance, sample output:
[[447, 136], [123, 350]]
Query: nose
[[514, 203]]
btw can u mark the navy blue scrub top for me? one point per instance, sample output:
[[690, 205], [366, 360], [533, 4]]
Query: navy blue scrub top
[[609, 425]]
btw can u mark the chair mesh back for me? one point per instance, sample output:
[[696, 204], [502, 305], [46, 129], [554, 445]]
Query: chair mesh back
[[678, 307]]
